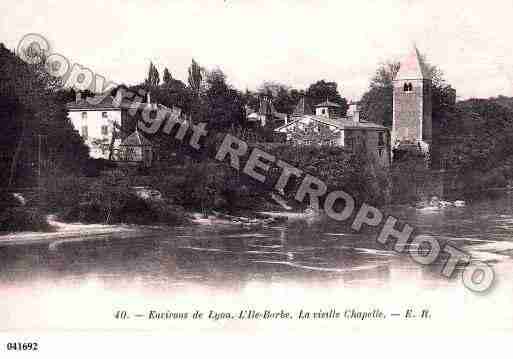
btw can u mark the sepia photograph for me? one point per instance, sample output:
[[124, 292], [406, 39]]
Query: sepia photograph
[[230, 178]]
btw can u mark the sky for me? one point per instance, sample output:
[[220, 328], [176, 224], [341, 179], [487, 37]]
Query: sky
[[295, 42]]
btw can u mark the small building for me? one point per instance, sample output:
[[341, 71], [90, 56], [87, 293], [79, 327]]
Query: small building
[[328, 109], [326, 128], [135, 150]]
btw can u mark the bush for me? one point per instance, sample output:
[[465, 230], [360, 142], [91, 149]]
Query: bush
[[110, 199], [7, 200], [14, 219], [354, 173], [59, 192], [209, 184]]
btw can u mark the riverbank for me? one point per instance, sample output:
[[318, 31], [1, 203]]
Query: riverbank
[[69, 232], [325, 262], [60, 231]]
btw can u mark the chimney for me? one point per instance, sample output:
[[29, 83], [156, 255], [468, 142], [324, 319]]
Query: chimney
[[78, 96]]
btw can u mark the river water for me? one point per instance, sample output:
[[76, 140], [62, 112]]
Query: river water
[[308, 265]]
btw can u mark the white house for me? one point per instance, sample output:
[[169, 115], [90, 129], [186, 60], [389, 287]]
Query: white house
[[101, 122], [96, 119]]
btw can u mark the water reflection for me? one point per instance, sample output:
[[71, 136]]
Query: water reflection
[[297, 250], [323, 254]]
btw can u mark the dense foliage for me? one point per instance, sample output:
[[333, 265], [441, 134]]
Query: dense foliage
[[209, 184], [16, 216], [109, 198], [376, 104], [35, 123]]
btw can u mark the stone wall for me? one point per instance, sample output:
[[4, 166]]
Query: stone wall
[[413, 182]]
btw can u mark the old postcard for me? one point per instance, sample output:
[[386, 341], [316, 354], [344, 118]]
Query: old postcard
[[235, 177]]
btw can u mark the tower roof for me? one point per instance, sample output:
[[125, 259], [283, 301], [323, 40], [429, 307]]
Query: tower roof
[[136, 140], [412, 67]]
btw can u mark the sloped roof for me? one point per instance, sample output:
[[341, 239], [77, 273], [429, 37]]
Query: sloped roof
[[328, 103], [101, 102], [412, 67], [136, 140], [342, 123], [302, 108], [93, 103]]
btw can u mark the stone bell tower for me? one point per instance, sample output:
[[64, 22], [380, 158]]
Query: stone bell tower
[[412, 109]]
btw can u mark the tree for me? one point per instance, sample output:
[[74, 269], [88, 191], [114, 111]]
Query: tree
[[195, 77], [250, 99], [32, 114], [198, 110], [284, 101], [224, 104], [322, 90], [167, 76], [153, 79], [283, 96], [272, 88], [376, 104]]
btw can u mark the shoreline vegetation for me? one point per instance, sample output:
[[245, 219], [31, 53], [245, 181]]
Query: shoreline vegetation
[[42, 149], [21, 222], [170, 194], [193, 191]]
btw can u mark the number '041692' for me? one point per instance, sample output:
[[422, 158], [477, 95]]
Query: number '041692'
[[17, 346]]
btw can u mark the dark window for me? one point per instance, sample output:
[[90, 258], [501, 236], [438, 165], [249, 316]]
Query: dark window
[[105, 130], [84, 114], [408, 87], [323, 111], [380, 152], [381, 139], [104, 114]]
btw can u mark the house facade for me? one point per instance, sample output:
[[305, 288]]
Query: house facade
[[102, 123], [96, 120], [327, 128]]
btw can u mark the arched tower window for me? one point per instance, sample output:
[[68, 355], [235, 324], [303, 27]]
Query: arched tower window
[[408, 87]]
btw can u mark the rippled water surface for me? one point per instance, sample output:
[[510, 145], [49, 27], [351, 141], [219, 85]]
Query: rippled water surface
[[297, 263]]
